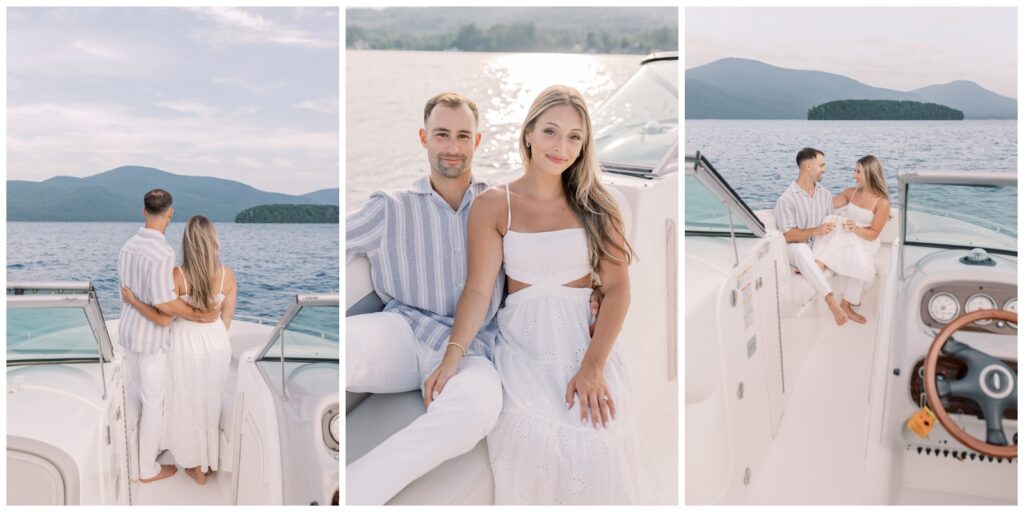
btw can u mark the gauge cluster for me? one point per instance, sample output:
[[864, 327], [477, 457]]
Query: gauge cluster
[[941, 304]]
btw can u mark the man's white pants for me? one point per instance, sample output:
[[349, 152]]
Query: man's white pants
[[802, 257], [146, 374], [382, 355]]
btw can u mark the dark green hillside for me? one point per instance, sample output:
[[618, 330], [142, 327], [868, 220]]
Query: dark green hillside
[[883, 110], [116, 195], [289, 214]]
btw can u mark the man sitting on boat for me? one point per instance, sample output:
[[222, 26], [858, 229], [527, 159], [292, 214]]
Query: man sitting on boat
[[415, 240], [799, 214]]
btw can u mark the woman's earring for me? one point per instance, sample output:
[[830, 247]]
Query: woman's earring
[[527, 143]]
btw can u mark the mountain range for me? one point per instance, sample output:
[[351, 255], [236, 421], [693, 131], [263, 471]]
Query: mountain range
[[116, 195], [735, 88]]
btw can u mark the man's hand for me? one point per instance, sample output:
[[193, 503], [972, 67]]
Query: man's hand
[[434, 384], [207, 316], [824, 229]]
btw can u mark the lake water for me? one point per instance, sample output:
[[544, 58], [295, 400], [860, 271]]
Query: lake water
[[272, 262], [386, 90], [758, 157]]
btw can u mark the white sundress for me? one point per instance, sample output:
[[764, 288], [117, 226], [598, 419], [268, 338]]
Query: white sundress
[[198, 363], [540, 452], [845, 252]]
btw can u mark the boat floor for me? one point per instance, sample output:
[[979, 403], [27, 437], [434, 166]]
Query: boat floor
[[180, 489], [820, 445]]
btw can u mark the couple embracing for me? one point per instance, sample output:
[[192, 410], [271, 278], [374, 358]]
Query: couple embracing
[[174, 330], [551, 398], [837, 233]]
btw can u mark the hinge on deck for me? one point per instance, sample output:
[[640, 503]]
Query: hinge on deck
[[758, 284], [108, 434]]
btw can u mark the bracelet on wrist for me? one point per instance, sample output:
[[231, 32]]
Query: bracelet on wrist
[[460, 347]]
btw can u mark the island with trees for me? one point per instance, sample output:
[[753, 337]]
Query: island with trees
[[883, 110], [289, 214]]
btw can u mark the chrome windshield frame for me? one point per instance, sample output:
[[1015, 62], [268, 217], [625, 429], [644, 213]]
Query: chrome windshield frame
[[301, 301], [942, 177], [698, 166]]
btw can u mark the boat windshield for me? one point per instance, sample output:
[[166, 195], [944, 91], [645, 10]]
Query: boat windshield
[[712, 206], [639, 124], [311, 334], [51, 325], [962, 215], [706, 213]]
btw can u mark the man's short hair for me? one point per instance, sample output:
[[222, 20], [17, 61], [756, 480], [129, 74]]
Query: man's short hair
[[451, 100], [807, 154], [157, 201]]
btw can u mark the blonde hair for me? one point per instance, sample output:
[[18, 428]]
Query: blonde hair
[[200, 259], [593, 205], [874, 176]]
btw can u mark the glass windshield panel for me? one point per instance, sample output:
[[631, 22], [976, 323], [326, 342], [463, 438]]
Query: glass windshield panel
[[704, 212], [962, 215], [640, 122], [49, 333], [311, 334]]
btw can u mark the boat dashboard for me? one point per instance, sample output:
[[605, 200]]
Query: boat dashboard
[[941, 285]]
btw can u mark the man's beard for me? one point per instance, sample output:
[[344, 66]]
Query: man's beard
[[450, 172]]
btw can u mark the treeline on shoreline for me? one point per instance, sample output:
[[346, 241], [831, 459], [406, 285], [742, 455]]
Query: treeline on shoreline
[[515, 37], [882, 110], [289, 214]]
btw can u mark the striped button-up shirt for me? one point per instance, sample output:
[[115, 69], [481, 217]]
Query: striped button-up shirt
[[145, 265], [416, 245], [797, 209]]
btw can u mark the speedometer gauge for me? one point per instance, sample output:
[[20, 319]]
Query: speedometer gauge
[[1011, 306], [977, 302], [943, 307]]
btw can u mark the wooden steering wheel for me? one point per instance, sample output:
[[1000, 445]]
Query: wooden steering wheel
[[989, 382]]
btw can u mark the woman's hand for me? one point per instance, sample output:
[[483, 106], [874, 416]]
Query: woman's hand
[[127, 296], [435, 383], [596, 404], [850, 225]]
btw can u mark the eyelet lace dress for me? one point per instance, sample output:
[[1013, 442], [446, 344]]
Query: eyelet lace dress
[[197, 368], [540, 452]]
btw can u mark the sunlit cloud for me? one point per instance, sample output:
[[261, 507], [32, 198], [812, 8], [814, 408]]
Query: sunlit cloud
[[232, 25], [328, 105]]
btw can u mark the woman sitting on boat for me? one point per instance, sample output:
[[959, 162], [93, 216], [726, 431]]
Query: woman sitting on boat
[[564, 435], [850, 251], [200, 353]]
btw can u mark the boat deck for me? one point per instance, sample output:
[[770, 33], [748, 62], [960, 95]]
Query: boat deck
[[821, 443], [180, 489]]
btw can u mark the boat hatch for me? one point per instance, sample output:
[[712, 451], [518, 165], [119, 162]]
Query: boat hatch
[[55, 322], [308, 332], [637, 128]]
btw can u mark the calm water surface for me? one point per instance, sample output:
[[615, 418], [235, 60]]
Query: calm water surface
[[386, 90], [272, 262], [758, 158]]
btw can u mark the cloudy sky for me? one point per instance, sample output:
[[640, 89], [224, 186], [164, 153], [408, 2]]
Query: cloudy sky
[[242, 94], [896, 48]]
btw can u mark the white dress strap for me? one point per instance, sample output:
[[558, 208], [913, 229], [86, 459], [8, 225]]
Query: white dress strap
[[508, 200], [873, 204], [222, 273]]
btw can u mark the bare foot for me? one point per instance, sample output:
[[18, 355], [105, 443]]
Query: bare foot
[[166, 471], [848, 309], [196, 475], [837, 311]]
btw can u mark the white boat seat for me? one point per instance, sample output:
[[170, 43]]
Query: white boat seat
[[800, 292]]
